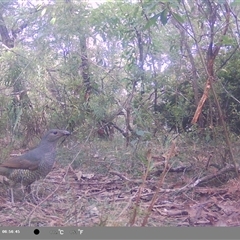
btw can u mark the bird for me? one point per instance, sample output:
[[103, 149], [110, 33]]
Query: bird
[[34, 164]]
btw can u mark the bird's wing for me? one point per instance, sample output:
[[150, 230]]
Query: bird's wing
[[20, 163]]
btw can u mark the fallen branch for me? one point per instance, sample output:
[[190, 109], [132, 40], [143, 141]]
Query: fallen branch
[[199, 181]]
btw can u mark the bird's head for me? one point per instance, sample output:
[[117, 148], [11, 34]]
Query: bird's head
[[54, 135]]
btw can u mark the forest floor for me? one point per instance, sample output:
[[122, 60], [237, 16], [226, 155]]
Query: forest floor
[[102, 192]]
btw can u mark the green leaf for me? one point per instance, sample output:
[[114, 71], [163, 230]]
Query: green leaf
[[136, 12], [223, 70], [221, 2], [43, 12], [134, 142], [234, 3], [140, 133], [226, 40], [53, 20], [152, 21], [163, 16], [178, 17]]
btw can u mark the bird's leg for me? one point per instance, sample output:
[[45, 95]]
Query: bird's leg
[[34, 199], [10, 186], [12, 197], [28, 188], [31, 194]]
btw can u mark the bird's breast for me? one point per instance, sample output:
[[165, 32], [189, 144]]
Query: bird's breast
[[46, 164]]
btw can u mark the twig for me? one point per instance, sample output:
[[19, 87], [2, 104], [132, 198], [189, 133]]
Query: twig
[[160, 183], [226, 169], [124, 177]]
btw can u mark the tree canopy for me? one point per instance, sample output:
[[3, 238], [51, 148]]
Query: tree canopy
[[74, 62]]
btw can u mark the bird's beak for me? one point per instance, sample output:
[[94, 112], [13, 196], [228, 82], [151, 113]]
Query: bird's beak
[[67, 133]]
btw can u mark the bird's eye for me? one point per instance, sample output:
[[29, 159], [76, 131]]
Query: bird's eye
[[55, 132]]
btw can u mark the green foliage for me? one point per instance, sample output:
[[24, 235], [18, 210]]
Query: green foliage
[[136, 57], [177, 108], [230, 92]]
